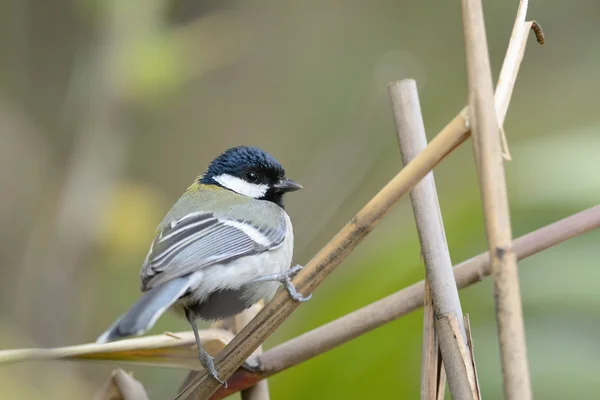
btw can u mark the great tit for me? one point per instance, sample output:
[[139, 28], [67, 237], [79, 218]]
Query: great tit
[[226, 244]]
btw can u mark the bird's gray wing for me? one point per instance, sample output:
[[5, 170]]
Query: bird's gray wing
[[200, 239]]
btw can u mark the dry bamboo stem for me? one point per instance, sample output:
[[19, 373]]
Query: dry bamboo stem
[[430, 351], [428, 217], [122, 386], [484, 122], [472, 351], [514, 55], [441, 384], [363, 320]]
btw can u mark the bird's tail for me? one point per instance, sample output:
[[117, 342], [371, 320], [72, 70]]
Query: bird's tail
[[144, 314]]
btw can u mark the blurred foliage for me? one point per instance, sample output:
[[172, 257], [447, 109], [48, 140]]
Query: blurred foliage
[[126, 102], [128, 225]]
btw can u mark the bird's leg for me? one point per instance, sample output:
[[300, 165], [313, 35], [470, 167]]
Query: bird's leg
[[205, 359], [285, 278]]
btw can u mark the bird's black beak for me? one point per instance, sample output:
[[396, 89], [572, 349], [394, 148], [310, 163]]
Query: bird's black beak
[[287, 185]]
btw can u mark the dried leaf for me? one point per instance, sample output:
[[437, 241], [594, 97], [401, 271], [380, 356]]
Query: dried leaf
[[174, 350]]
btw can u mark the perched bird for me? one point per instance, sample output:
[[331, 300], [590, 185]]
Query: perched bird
[[226, 244]]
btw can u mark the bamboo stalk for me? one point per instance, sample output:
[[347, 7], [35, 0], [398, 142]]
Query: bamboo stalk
[[441, 384], [430, 351], [122, 386], [484, 122], [472, 351], [394, 306], [428, 217], [514, 55]]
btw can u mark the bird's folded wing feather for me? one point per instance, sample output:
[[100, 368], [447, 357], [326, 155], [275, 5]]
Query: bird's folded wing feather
[[199, 239]]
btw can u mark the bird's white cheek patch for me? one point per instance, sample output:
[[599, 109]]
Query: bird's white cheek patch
[[241, 186]]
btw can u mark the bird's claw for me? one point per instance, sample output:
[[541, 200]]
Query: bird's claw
[[212, 371], [285, 278], [301, 298], [289, 286]]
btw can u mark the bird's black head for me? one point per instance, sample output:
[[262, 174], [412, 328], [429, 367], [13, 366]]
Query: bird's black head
[[251, 172]]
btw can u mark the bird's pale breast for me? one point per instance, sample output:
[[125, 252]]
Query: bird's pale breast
[[224, 289]]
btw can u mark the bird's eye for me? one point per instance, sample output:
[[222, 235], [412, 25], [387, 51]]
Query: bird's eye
[[251, 176]]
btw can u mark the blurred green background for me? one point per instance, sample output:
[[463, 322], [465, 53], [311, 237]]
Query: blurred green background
[[109, 109]]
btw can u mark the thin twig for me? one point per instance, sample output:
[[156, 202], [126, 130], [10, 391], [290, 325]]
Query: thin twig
[[430, 226], [486, 139], [363, 320]]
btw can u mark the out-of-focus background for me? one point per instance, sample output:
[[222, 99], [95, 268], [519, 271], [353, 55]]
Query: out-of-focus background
[[109, 109]]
